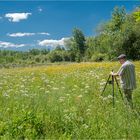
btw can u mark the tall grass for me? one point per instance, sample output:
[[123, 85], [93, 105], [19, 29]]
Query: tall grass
[[65, 102]]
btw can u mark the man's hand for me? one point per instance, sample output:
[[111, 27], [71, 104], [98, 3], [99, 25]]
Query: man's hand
[[113, 74]]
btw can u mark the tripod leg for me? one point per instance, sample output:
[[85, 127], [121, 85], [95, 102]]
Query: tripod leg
[[113, 90], [105, 85], [119, 88]]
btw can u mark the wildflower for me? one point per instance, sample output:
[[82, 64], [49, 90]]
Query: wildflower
[[82, 89], [22, 86], [67, 118], [22, 91], [101, 97], [26, 95], [80, 96], [88, 110], [86, 91], [32, 73], [75, 86], [42, 88], [90, 106], [87, 86], [109, 97], [46, 81], [66, 110], [73, 89], [80, 119], [85, 126], [101, 89], [61, 99], [6, 95], [47, 91], [43, 78], [105, 98], [49, 86], [52, 82], [102, 83], [96, 76], [55, 88], [8, 109]]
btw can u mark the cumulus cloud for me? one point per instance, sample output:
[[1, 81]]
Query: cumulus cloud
[[10, 45], [52, 43], [16, 17], [20, 34], [44, 33], [26, 34]]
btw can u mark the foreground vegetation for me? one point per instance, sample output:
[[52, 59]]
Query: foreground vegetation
[[65, 102]]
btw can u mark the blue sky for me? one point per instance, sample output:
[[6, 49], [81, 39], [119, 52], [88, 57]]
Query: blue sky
[[40, 24]]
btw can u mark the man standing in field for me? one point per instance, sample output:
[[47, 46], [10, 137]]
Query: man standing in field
[[127, 77]]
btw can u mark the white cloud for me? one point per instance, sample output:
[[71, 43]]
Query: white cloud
[[44, 33], [26, 34], [20, 34], [16, 17], [10, 45], [40, 9], [52, 43]]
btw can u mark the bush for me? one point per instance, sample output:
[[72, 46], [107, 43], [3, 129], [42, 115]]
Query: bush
[[55, 56], [37, 59], [98, 57], [9, 59], [26, 127]]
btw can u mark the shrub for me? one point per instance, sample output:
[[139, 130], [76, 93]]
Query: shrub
[[98, 57]]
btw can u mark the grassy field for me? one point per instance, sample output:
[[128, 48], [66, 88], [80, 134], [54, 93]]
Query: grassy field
[[65, 102]]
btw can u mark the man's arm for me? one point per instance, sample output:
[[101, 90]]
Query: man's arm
[[119, 73]]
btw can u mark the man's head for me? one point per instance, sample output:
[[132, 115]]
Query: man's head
[[122, 58]]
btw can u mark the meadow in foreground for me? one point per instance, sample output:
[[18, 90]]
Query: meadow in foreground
[[65, 102]]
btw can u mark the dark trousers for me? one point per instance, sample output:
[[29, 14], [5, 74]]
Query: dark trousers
[[128, 96]]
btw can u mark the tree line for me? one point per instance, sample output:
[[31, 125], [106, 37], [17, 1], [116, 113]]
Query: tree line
[[121, 34]]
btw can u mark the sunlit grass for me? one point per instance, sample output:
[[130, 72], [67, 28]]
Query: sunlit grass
[[65, 102]]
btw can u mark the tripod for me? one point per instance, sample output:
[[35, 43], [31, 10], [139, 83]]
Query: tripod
[[112, 81]]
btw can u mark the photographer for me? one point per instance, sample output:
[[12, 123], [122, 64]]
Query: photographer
[[127, 77]]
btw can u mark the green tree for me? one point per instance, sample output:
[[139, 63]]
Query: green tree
[[79, 40], [136, 14], [34, 51], [111, 33], [118, 18]]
